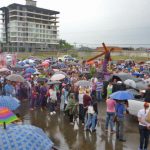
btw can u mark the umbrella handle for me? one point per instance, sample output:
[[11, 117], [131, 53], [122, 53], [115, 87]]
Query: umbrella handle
[[4, 125]]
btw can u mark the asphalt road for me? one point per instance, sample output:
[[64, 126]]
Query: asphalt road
[[64, 136]]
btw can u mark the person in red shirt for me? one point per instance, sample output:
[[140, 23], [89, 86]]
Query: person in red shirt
[[87, 100]]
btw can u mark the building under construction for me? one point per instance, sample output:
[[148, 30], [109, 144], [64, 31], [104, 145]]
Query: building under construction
[[28, 28]]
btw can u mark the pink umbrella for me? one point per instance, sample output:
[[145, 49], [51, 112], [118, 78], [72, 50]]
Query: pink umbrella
[[45, 64], [55, 70], [47, 61]]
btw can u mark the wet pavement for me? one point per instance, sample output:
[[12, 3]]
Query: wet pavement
[[64, 136]]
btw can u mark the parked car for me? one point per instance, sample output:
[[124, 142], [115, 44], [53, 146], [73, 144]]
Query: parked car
[[67, 58], [8, 59], [137, 103]]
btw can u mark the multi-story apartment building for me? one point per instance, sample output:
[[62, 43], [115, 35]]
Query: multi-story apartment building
[[27, 27]]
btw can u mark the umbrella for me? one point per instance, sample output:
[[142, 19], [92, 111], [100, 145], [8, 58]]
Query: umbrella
[[61, 72], [42, 80], [36, 73], [122, 95], [45, 64], [15, 78], [27, 61], [4, 70], [30, 70], [130, 83], [10, 102], [6, 116], [55, 70], [83, 83], [136, 74], [147, 80], [21, 63], [85, 72], [54, 82], [146, 72], [27, 75], [57, 77], [133, 91], [24, 137], [47, 61], [142, 85]]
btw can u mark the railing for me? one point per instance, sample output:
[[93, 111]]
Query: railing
[[33, 13], [27, 17], [29, 22]]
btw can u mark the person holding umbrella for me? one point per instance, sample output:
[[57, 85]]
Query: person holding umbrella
[[8, 88], [43, 96], [120, 114], [121, 97]]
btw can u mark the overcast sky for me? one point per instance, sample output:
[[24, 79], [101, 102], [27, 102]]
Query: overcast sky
[[97, 21]]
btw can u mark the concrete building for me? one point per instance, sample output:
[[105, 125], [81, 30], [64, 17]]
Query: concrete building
[[27, 27]]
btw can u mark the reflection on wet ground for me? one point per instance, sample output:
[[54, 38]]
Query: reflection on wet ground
[[64, 136]]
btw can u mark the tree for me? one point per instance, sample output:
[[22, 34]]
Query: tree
[[63, 45]]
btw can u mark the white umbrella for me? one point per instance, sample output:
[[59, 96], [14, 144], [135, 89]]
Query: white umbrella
[[83, 83], [147, 80], [4, 70], [36, 73], [15, 78], [57, 77], [56, 70], [60, 72], [130, 83]]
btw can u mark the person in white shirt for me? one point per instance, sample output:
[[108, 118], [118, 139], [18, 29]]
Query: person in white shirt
[[144, 127], [53, 100], [81, 109]]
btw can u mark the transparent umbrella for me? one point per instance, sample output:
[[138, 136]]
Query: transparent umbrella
[[15, 78], [83, 83], [130, 83]]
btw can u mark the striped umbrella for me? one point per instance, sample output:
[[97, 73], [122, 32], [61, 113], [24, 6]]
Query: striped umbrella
[[6, 116]]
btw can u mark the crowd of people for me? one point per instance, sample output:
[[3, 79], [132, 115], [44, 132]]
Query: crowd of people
[[80, 102]]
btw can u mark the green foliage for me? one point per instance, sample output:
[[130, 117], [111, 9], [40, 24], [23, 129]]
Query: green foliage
[[63, 45], [92, 71]]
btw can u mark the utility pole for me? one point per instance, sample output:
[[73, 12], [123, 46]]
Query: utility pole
[[75, 45]]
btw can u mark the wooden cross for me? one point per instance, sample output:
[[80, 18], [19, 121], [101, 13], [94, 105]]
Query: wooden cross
[[106, 51]]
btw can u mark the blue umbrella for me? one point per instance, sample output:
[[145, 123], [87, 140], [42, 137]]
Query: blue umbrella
[[24, 137], [21, 63], [10, 102], [122, 95], [30, 70], [136, 74], [27, 75]]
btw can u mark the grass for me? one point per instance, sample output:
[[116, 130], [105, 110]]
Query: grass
[[78, 54]]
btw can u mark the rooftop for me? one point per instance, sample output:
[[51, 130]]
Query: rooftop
[[32, 8]]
